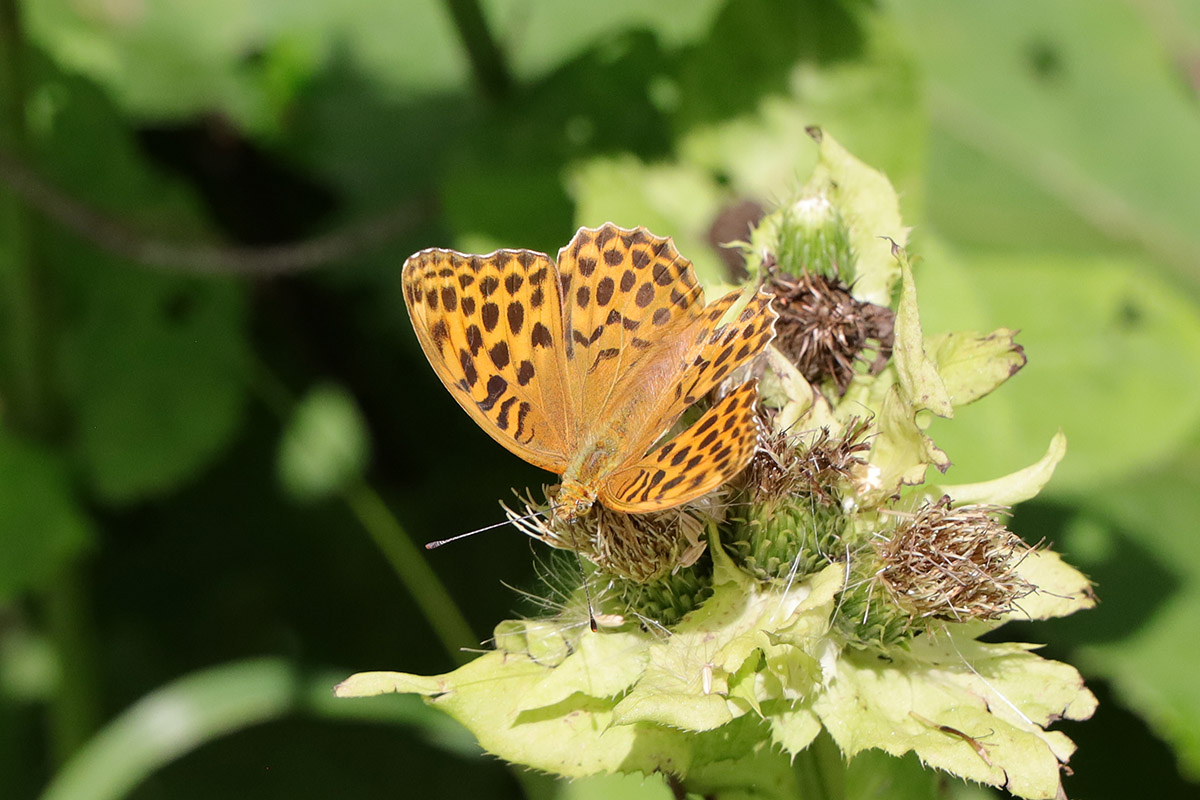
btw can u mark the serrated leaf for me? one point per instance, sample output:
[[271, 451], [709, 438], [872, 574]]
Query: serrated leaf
[[689, 673], [976, 710], [602, 665], [1061, 589], [794, 729], [541, 640], [901, 452]]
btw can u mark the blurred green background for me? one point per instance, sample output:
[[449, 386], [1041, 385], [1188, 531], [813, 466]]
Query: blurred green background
[[220, 440]]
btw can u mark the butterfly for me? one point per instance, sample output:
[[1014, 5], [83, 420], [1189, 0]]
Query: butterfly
[[581, 366]]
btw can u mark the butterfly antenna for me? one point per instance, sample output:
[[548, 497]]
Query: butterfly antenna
[[587, 590], [511, 521]]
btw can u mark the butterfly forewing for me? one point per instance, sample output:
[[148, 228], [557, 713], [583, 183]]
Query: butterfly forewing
[[582, 366], [710, 452], [491, 326], [624, 292]]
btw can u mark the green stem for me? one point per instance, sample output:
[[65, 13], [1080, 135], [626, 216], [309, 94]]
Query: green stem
[[821, 770], [487, 60], [27, 371], [406, 559], [385, 530], [32, 405], [74, 712]]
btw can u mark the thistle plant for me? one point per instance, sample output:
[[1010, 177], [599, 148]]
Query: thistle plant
[[835, 585]]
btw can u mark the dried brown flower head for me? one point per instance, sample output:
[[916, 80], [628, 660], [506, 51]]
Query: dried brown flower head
[[824, 330], [953, 563], [814, 466], [638, 547]]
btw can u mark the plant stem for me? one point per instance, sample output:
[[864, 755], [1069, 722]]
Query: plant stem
[[27, 343], [405, 558], [431, 595], [74, 712], [821, 770], [33, 406], [487, 60]]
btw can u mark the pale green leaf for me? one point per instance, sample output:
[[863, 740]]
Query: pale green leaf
[[690, 672], [973, 365], [794, 729], [602, 665], [368, 684], [920, 381], [1022, 485], [1061, 589], [541, 640], [869, 206], [972, 709], [901, 452]]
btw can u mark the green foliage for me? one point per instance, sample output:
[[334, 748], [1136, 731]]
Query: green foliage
[[150, 456], [868, 630], [44, 527]]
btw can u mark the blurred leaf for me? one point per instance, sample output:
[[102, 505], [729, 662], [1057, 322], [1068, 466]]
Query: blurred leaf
[[197, 708], [876, 774], [1113, 354], [155, 374], [676, 200], [29, 666], [1059, 122], [1138, 542], [41, 525], [325, 444], [541, 36], [247, 60], [852, 78], [151, 363], [626, 787]]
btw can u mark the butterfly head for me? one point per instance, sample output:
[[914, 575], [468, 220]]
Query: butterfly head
[[574, 500]]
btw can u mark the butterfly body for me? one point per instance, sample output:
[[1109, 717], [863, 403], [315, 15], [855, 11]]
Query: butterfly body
[[581, 366]]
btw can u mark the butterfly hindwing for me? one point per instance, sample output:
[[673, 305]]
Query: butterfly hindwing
[[713, 353], [491, 327], [724, 348], [709, 453]]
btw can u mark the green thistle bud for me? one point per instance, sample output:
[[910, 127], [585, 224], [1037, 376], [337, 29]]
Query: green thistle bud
[[667, 600], [808, 235]]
